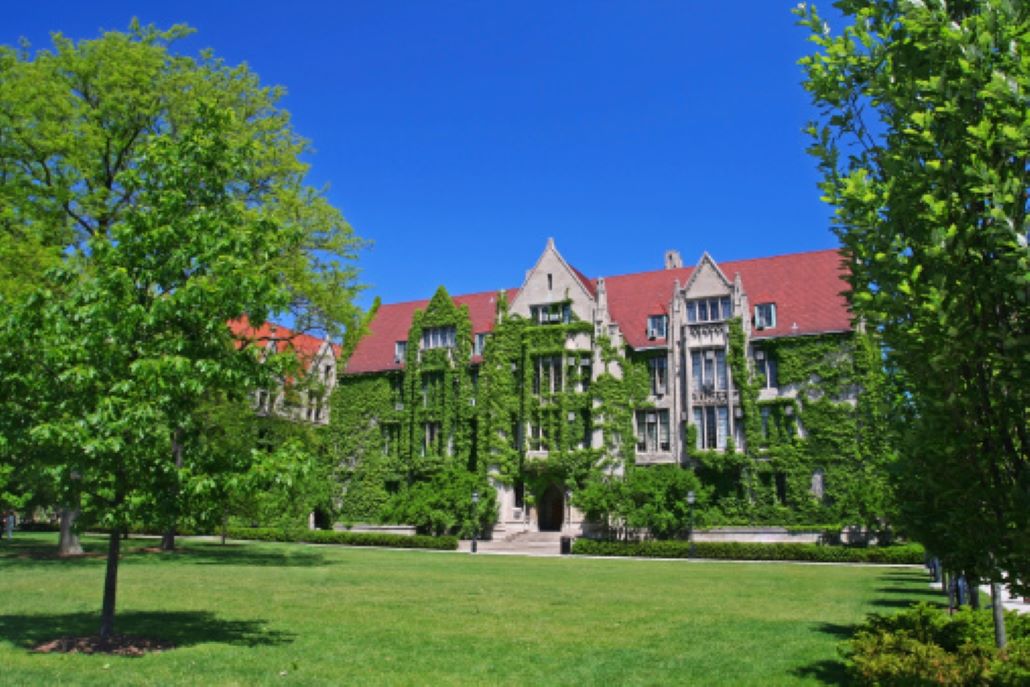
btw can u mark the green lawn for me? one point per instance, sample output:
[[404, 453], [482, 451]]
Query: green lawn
[[249, 614]]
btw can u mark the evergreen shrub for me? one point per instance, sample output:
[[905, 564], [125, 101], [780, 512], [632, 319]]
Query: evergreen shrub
[[925, 645]]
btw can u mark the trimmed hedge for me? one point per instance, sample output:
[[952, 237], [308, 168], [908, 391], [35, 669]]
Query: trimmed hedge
[[396, 541], [748, 551]]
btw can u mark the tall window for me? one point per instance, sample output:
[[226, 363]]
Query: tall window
[[547, 375], [431, 438], [551, 313], [766, 370], [479, 345], [765, 316], [438, 337], [713, 426], [652, 431], [656, 326], [540, 432], [709, 309], [708, 368], [432, 389], [391, 438], [400, 349], [658, 368]]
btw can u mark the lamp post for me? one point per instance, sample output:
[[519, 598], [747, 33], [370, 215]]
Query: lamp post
[[475, 527], [691, 498]]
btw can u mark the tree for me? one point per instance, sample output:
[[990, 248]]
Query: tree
[[178, 186], [924, 142]]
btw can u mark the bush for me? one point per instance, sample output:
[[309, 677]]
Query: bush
[[747, 551], [443, 505], [397, 541], [926, 645], [649, 498]]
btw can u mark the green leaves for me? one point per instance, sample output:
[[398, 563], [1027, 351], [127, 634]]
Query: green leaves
[[932, 212]]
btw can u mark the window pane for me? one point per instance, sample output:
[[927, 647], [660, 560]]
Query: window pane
[[702, 311], [691, 311], [720, 362], [724, 426], [695, 365], [700, 425], [710, 431], [727, 309], [663, 429]]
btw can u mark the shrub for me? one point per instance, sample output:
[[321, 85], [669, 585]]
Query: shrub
[[927, 645], [443, 505], [397, 541], [748, 551]]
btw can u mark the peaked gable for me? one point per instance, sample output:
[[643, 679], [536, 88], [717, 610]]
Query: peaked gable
[[707, 279], [553, 280]]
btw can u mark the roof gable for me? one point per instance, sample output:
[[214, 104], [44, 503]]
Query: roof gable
[[707, 279], [553, 279]]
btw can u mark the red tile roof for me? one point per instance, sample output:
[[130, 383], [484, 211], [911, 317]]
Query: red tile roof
[[806, 288], [305, 345], [375, 351]]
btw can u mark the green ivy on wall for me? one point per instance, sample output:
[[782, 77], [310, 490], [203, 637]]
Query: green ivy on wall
[[526, 415]]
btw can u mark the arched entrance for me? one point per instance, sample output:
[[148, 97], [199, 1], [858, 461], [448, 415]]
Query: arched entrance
[[551, 509]]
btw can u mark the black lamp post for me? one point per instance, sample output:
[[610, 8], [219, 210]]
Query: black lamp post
[[691, 498], [475, 524]]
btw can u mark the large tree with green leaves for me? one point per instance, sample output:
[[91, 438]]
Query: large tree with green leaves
[[174, 190], [924, 142]]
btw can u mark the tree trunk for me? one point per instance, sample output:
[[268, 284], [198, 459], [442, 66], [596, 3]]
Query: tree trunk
[[110, 586], [168, 538], [998, 609], [68, 541], [974, 593]]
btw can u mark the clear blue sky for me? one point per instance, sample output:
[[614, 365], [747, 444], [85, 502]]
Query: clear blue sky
[[458, 136]]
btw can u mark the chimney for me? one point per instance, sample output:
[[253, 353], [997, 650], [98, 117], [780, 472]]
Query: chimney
[[673, 261]]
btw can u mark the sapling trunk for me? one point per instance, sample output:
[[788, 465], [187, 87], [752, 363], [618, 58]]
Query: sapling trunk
[[998, 610], [110, 586], [168, 538]]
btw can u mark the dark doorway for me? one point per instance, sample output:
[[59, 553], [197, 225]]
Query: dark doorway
[[551, 509]]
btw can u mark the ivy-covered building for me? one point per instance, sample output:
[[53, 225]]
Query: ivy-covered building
[[749, 373], [305, 396]]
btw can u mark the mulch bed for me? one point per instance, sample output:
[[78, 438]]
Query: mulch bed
[[119, 645]]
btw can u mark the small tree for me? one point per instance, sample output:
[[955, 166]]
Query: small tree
[[924, 144]]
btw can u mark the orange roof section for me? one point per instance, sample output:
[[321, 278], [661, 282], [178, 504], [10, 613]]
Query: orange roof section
[[305, 345]]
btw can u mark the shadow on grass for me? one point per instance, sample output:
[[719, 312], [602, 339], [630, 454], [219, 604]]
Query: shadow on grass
[[181, 628], [910, 576], [910, 591], [231, 554], [28, 554], [902, 603], [827, 671]]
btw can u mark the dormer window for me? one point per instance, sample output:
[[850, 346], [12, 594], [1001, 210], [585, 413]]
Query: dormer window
[[438, 337], [709, 309], [479, 344], [551, 313], [656, 326], [765, 316], [400, 350]]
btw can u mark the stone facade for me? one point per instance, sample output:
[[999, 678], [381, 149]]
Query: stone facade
[[674, 322]]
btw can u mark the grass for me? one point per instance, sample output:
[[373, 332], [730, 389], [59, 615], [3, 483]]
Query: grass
[[248, 614]]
